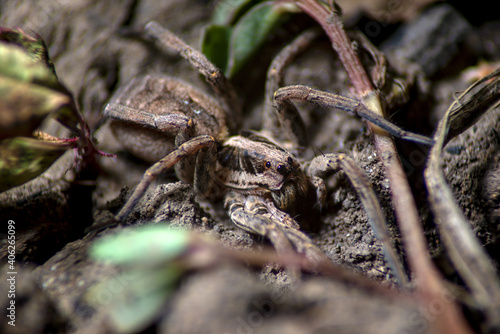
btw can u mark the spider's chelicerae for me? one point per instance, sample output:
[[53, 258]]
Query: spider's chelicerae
[[166, 121]]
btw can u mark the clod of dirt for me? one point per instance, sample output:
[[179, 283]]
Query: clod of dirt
[[33, 312], [49, 224], [232, 300]]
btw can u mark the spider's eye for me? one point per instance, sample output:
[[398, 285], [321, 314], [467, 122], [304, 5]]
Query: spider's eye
[[281, 169], [268, 164], [289, 160]]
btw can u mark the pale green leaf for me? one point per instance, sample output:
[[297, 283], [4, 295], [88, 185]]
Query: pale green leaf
[[144, 245], [132, 300]]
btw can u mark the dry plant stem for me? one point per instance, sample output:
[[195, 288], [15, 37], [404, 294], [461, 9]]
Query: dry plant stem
[[468, 113], [331, 24], [404, 204], [430, 283], [324, 267], [467, 254]]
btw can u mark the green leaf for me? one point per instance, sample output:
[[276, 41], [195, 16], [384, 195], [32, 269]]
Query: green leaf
[[150, 279], [26, 59], [34, 46], [138, 300], [29, 92], [24, 105], [15, 63], [215, 44], [22, 159], [252, 30], [228, 12], [146, 245]]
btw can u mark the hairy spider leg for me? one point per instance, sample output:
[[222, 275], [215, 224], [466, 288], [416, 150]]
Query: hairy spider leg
[[187, 149], [286, 116], [283, 96], [213, 75], [249, 213], [182, 125]]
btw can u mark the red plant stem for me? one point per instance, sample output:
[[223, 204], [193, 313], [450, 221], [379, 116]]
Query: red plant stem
[[333, 27], [430, 284]]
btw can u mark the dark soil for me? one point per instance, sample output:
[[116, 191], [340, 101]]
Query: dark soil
[[95, 50]]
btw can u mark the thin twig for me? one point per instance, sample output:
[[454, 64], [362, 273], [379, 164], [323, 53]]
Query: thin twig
[[324, 267], [466, 252]]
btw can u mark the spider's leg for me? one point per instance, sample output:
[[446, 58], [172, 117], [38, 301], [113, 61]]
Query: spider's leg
[[251, 214], [286, 115], [181, 125], [330, 100], [167, 123], [204, 172], [255, 222], [212, 74], [187, 149], [301, 242], [327, 164]]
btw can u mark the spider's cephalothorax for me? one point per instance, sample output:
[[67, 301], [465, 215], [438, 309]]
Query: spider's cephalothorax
[[254, 165], [167, 121]]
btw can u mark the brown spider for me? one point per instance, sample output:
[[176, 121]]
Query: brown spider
[[169, 123]]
